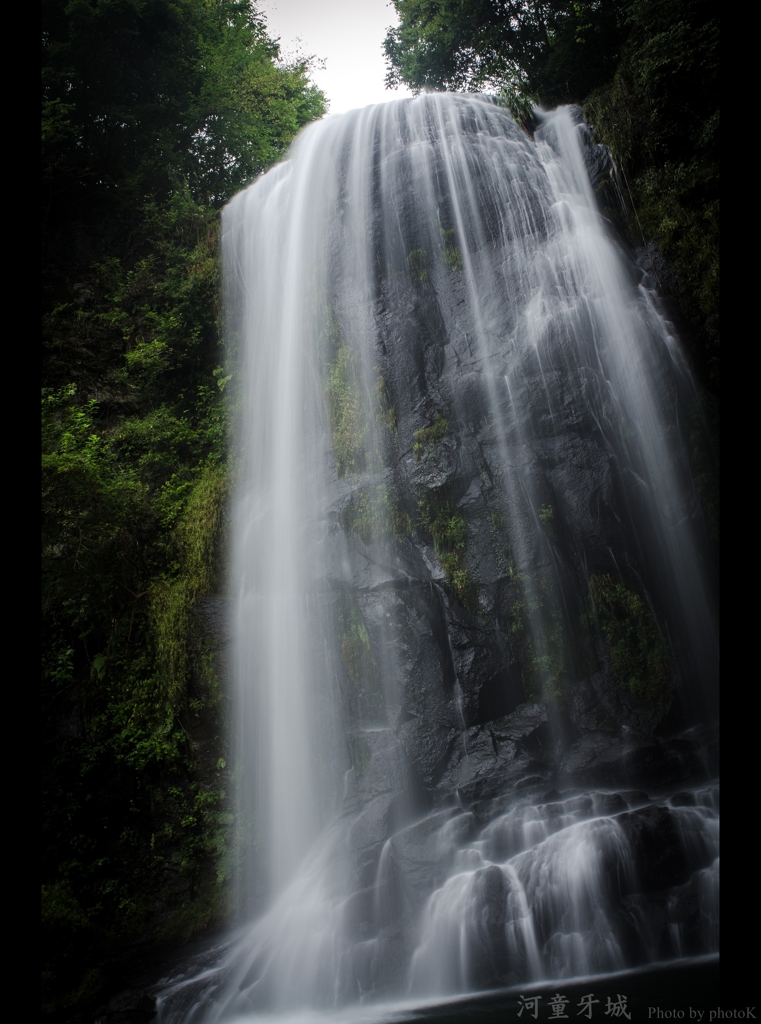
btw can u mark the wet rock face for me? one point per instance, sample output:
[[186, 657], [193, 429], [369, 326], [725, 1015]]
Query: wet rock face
[[624, 758], [488, 710], [465, 631], [502, 465]]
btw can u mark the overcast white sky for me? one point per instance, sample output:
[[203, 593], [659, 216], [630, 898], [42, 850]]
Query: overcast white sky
[[348, 35]]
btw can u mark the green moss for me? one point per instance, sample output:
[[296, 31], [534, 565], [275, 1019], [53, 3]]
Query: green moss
[[638, 653], [444, 521], [441, 518], [452, 255], [459, 580], [346, 414], [418, 263], [379, 389], [424, 440], [372, 515]]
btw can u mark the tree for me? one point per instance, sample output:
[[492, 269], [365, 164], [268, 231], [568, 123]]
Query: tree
[[553, 50]]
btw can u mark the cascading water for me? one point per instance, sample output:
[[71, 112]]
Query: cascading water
[[461, 449]]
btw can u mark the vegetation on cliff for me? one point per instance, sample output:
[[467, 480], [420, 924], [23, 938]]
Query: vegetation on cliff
[[154, 113], [440, 517]]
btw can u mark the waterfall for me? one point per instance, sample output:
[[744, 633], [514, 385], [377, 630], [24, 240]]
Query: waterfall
[[463, 415]]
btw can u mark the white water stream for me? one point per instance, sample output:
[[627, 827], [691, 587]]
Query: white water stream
[[368, 204]]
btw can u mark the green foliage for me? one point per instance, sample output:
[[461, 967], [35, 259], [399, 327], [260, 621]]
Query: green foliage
[[389, 419], [558, 48], [140, 97], [372, 515], [441, 518], [418, 261], [459, 580], [659, 116], [444, 521], [638, 654], [172, 600], [424, 440], [520, 106], [122, 567], [346, 413]]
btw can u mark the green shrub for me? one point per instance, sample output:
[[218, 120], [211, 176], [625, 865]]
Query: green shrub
[[452, 255], [441, 518], [424, 440], [418, 262]]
